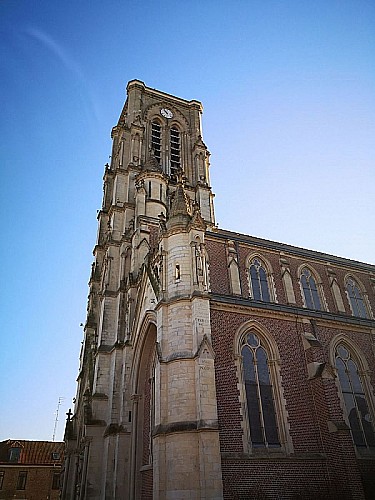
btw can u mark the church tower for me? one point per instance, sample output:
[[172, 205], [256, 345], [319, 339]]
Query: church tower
[[145, 418]]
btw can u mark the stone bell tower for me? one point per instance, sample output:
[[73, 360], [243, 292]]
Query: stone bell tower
[[145, 418]]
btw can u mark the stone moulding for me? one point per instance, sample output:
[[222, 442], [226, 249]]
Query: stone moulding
[[190, 425], [179, 355]]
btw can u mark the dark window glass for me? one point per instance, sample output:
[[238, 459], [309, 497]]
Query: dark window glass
[[343, 377], [259, 394], [253, 340], [314, 293], [21, 483], [252, 398], [359, 417], [255, 285], [356, 299], [56, 481], [175, 150], [306, 292], [14, 454], [264, 285], [259, 282], [310, 291], [2, 474]]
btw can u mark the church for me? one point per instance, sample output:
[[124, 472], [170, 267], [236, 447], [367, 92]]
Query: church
[[215, 365]]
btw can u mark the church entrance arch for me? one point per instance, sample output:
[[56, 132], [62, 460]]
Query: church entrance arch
[[144, 417]]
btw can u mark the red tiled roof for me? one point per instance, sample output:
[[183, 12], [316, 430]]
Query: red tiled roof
[[32, 452]]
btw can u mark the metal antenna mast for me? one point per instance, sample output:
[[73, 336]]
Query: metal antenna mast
[[61, 399]]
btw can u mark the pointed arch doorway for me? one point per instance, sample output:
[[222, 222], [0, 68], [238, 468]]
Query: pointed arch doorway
[[144, 417]]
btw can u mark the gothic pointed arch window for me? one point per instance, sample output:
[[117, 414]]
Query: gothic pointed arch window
[[310, 290], [259, 282], [156, 139], [261, 395], [175, 149], [355, 397], [356, 298]]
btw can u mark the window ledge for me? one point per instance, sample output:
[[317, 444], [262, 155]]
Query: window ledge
[[365, 454], [273, 455]]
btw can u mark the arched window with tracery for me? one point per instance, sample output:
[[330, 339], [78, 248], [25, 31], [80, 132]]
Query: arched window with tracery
[[310, 290], [259, 393], [156, 139], [259, 286], [175, 145], [357, 302], [355, 400]]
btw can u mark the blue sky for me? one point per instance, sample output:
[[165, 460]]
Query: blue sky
[[288, 89]]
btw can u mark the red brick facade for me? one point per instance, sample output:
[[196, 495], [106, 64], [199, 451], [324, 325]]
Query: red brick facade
[[320, 461]]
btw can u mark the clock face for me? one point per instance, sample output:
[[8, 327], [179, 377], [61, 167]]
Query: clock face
[[167, 113]]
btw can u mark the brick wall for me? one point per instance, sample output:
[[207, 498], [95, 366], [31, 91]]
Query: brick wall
[[38, 482], [322, 464]]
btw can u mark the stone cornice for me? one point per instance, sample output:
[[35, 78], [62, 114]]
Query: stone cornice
[[289, 313], [110, 242], [121, 170], [119, 208], [163, 95], [182, 298], [186, 426], [152, 174], [224, 234], [184, 355]]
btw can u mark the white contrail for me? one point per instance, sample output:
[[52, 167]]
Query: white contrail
[[67, 60]]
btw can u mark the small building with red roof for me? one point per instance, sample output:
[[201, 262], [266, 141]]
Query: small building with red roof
[[30, 469]]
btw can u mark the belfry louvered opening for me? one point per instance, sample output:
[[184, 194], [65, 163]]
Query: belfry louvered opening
[[175, 150], [156, 140]]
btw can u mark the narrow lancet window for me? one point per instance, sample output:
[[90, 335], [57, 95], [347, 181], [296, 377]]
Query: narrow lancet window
[[177, 272], [310, 290], [356, 300], [259, 282]]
